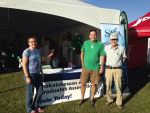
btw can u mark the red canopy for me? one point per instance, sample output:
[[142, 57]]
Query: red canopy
[[140, 27], [137, 52], [138, 32]]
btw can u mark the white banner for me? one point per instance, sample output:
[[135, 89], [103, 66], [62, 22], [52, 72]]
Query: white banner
[[66, 90]]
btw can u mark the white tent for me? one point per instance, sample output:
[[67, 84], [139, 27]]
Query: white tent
[[46, 16], [52, 18]]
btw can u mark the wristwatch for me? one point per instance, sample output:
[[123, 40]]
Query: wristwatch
[[27, 76]]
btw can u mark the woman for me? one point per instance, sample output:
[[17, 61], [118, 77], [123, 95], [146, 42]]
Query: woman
[[32, 68]]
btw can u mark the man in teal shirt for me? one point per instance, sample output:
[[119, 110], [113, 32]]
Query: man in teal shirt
[[91, 53]]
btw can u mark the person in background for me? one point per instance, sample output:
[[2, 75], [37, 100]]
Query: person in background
[[69, 52], [53, 46], [38, 44], [4, 56], [64, 38], [45, 51], [56, 61], [115, 56], [69, 36], [32, 68], [91, 53]]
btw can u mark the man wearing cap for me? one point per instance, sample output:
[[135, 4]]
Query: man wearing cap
[[91, 52], [115, 56]]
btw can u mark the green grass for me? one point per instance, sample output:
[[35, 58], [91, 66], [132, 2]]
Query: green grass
[[13, 92]]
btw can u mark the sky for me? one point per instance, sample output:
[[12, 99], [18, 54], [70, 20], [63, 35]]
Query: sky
[[134, 8]]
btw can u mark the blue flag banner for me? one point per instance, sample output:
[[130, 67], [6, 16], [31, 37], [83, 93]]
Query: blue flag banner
[[106, 30]]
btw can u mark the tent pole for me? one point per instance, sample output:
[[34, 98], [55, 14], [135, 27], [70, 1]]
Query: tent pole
[[8, 23]]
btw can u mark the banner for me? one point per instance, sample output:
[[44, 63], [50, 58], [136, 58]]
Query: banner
[[65, 90], [124, 21], [106, 30]]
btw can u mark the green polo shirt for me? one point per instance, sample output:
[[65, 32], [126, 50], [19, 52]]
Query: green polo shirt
[[92, 53]]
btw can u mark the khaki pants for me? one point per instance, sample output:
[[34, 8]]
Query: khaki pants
[[46, 62], [117, 75]]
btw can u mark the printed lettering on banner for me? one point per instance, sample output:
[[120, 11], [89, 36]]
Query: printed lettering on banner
[[65, 90]]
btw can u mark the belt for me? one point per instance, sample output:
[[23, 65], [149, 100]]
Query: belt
[[110, 67]]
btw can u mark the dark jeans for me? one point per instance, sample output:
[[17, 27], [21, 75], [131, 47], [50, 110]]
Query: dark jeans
[[36, 81]]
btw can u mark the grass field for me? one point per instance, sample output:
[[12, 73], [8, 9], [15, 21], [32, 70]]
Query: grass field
[[13, 91]]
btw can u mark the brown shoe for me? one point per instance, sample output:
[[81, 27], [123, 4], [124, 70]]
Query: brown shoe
[[120, 107], [80, 102], [108, 103], [92, 102]]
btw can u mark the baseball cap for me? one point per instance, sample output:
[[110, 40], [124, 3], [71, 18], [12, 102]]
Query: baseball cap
[[113, 36]]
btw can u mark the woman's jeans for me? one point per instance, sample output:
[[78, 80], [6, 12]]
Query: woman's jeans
[[55, 63], [36, 81]]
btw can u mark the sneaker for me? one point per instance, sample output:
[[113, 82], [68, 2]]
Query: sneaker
[[92, 102], [33, 111], [120, 107], [80, 102], [108, 103], [40, 110]]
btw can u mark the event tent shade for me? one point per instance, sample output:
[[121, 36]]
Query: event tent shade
[[139, 31], [140, 27], [28, 22], [52, 15]]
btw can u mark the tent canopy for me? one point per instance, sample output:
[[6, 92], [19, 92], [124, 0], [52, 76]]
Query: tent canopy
[[140, 27], [46, 16], [137, 46]]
